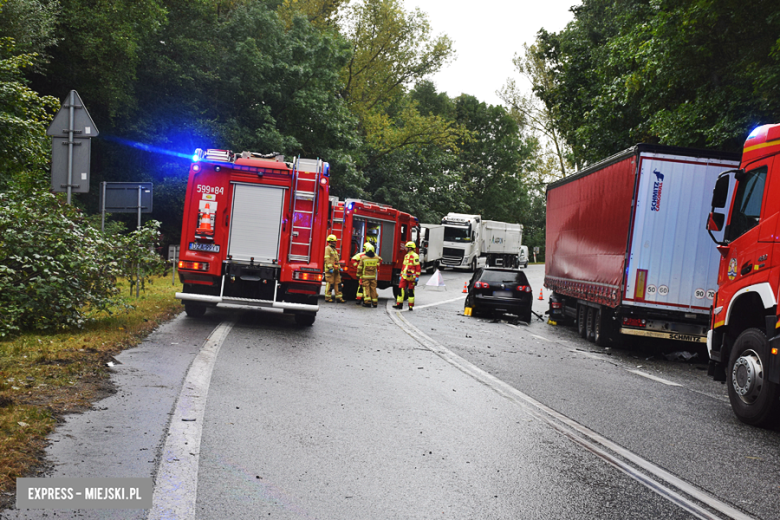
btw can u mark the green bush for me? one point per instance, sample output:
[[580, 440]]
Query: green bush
[[55, 267]]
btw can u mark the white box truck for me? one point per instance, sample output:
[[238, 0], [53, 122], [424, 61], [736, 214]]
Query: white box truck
[[431, 246], [471, 242]]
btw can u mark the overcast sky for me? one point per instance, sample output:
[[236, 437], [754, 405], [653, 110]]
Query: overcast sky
[[486, 35]]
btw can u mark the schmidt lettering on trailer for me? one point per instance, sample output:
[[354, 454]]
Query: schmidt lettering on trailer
[[655, 205]]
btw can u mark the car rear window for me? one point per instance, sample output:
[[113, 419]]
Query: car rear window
[[513, 277]]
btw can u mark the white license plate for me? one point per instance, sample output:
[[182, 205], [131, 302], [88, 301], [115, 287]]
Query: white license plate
[[209, 248], [502, 294]]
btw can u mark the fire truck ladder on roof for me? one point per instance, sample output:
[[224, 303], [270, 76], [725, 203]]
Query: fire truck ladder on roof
[[306, 177]]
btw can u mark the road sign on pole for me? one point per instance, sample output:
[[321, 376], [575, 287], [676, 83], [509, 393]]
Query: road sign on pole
[[72, 130]]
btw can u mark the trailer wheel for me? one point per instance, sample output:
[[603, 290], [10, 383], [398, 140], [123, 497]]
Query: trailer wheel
[[753, 397], [194, 310], [582, 318], [305, 320], [590, 324]]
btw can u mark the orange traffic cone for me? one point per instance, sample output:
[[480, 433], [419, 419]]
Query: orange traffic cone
[[465, 287], [540, 295]]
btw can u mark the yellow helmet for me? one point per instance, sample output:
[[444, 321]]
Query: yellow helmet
[[368, 246], [411, 244], [332, 238]]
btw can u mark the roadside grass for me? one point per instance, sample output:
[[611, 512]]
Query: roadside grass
[[44, 376]]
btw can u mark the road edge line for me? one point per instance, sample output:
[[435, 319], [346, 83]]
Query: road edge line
[[176, 482], [551, 417]]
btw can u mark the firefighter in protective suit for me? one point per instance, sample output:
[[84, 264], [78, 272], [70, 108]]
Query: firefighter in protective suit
[[355, 262], [332, 271], [368, 271], [410, 275]]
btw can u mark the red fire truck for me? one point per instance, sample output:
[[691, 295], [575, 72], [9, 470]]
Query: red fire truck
[[253, 233], [744, 338], [355, 222]]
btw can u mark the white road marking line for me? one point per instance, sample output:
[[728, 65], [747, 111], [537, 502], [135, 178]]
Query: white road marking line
[[539, 337], [439, 303], [176, 484], [654, 378], [584, 436]]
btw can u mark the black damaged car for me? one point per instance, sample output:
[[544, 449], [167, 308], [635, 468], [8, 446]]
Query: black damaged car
[[498, 292]]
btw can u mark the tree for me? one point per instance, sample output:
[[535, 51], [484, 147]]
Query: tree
[[698, 73], [493, 161], [539, 118], [392, 50], [24, 114]]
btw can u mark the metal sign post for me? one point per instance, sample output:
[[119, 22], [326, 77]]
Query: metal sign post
[[173, 256], [67, 163], [126, 197]]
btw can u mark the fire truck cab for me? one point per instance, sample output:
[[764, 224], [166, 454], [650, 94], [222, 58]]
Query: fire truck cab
[[744, 336], [355, 222], [253, 233]]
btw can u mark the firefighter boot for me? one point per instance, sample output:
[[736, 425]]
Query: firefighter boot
[[340, 300], [398, 306]]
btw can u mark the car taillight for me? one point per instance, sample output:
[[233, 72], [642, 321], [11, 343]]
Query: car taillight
[[194, 266], [555, 305], [481, 285], [308, 277], [524, 288]]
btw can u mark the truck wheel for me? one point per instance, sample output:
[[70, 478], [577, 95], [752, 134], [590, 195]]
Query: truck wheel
[[194, 310], [582, 318], [473, 267], [753, 397], [590, 324], [305, 320]]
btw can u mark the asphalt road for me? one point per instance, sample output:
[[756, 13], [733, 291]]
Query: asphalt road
[[372, 413]]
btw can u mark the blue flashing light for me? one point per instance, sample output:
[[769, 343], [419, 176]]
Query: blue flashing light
[[326, 170], [754, 133], [195, 157], [148, 147], [349, 206]]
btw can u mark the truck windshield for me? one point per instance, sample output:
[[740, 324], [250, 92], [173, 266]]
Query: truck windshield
[[456, 234], [747, 203]]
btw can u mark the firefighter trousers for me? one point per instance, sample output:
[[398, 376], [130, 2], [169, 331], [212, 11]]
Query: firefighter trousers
[[369, 292], [333, 284], [406, 289]]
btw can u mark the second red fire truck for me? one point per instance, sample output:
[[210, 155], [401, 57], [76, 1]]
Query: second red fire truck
[[253, 233], [355, 222]]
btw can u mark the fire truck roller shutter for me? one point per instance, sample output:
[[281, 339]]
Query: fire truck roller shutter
[[387, 245], [255, 223]]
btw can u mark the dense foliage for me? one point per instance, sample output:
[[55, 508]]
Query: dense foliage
[[697, 73]]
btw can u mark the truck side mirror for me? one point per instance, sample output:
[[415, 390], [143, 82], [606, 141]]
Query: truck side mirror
[[715, 222]]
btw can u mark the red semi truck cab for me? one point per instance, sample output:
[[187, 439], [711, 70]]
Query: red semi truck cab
[[355, 222], [253, 233], [744, 335]]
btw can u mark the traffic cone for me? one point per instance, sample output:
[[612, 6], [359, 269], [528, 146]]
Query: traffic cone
[[540, 295], [465, 287]]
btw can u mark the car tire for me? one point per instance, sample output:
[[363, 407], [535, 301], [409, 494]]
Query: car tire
[[305, 320], [753, 397], [582, 318], [590, 323], [194, 310], [527, 317]]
